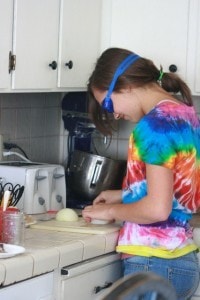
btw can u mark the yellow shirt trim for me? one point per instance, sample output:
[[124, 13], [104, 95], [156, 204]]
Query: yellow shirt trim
[[148, 251]]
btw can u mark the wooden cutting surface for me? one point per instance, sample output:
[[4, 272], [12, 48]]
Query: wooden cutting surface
[[80, 226]]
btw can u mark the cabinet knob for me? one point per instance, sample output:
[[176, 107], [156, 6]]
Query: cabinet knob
[[53, 65], [69, 64], [173, 68]]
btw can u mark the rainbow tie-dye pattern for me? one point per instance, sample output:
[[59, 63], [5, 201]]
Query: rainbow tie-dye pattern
[[169, 136]]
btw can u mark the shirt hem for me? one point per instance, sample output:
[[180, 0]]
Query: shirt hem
[[162, 253]]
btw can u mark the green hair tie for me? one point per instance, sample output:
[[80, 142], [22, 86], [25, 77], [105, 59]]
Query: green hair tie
[[160, 76]]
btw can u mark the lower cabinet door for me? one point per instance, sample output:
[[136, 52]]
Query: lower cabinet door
[[37, 288], [86, 281]]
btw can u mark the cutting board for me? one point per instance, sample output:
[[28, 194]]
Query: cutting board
[[79, 226]]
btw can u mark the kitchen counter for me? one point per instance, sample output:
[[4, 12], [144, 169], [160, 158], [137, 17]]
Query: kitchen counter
[[48, 250]]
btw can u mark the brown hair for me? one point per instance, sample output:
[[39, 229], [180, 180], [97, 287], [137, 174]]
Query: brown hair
[[139, 74]]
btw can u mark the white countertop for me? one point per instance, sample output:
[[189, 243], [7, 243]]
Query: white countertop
[[48, 250]]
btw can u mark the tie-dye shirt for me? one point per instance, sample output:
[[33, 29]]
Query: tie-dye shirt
[[169, 136]]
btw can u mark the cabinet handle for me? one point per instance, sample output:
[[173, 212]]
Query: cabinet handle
[[53, 65], [69, 64], [173, 68], [97, 289]]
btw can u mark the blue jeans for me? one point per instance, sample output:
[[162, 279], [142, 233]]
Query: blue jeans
[[181, 272]]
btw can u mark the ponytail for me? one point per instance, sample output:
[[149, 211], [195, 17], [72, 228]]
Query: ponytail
[[172, 83]]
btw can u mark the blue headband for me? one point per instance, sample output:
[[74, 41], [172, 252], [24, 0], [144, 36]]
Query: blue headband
[[130, 59]]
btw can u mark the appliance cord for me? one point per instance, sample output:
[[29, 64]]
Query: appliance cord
[[8, 153]]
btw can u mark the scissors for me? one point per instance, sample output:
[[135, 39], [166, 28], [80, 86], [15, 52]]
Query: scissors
[[16, 194], [8, 186]]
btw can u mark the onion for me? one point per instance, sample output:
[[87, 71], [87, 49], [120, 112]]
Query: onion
[[67, 214]]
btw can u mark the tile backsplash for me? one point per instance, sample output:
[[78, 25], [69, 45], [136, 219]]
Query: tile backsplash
[[34, 122]]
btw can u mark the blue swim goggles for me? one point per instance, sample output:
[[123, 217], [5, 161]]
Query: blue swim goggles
[[107, 103]]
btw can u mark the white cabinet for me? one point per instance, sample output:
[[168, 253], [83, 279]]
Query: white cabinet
[[62, 33], [55, 43], [193, 64], [197, 56], [168, 32], [155, 29], [38, 288], [35, 44], [86, 280], [79, 41], [6, 20]]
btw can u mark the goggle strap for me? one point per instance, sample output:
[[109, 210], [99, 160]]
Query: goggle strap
[[130, 59]]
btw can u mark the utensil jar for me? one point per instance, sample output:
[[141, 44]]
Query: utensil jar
[[8, 210], [13, 228]]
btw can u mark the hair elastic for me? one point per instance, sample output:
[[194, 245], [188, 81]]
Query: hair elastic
[[160, 76]]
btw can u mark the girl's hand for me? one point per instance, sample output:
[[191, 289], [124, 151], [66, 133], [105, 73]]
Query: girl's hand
[[109, 197], [97, 211]]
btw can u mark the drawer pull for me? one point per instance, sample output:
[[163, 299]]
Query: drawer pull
[[97, 289]]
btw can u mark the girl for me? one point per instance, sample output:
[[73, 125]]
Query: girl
[[161, 189]]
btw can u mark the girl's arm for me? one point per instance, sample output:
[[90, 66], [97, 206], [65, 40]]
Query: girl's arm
[[154, 207]]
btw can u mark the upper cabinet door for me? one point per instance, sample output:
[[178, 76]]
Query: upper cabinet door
[[35, 44], [79, 41], [6, 19], [197, 55], [193, 66], [155, 29]]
